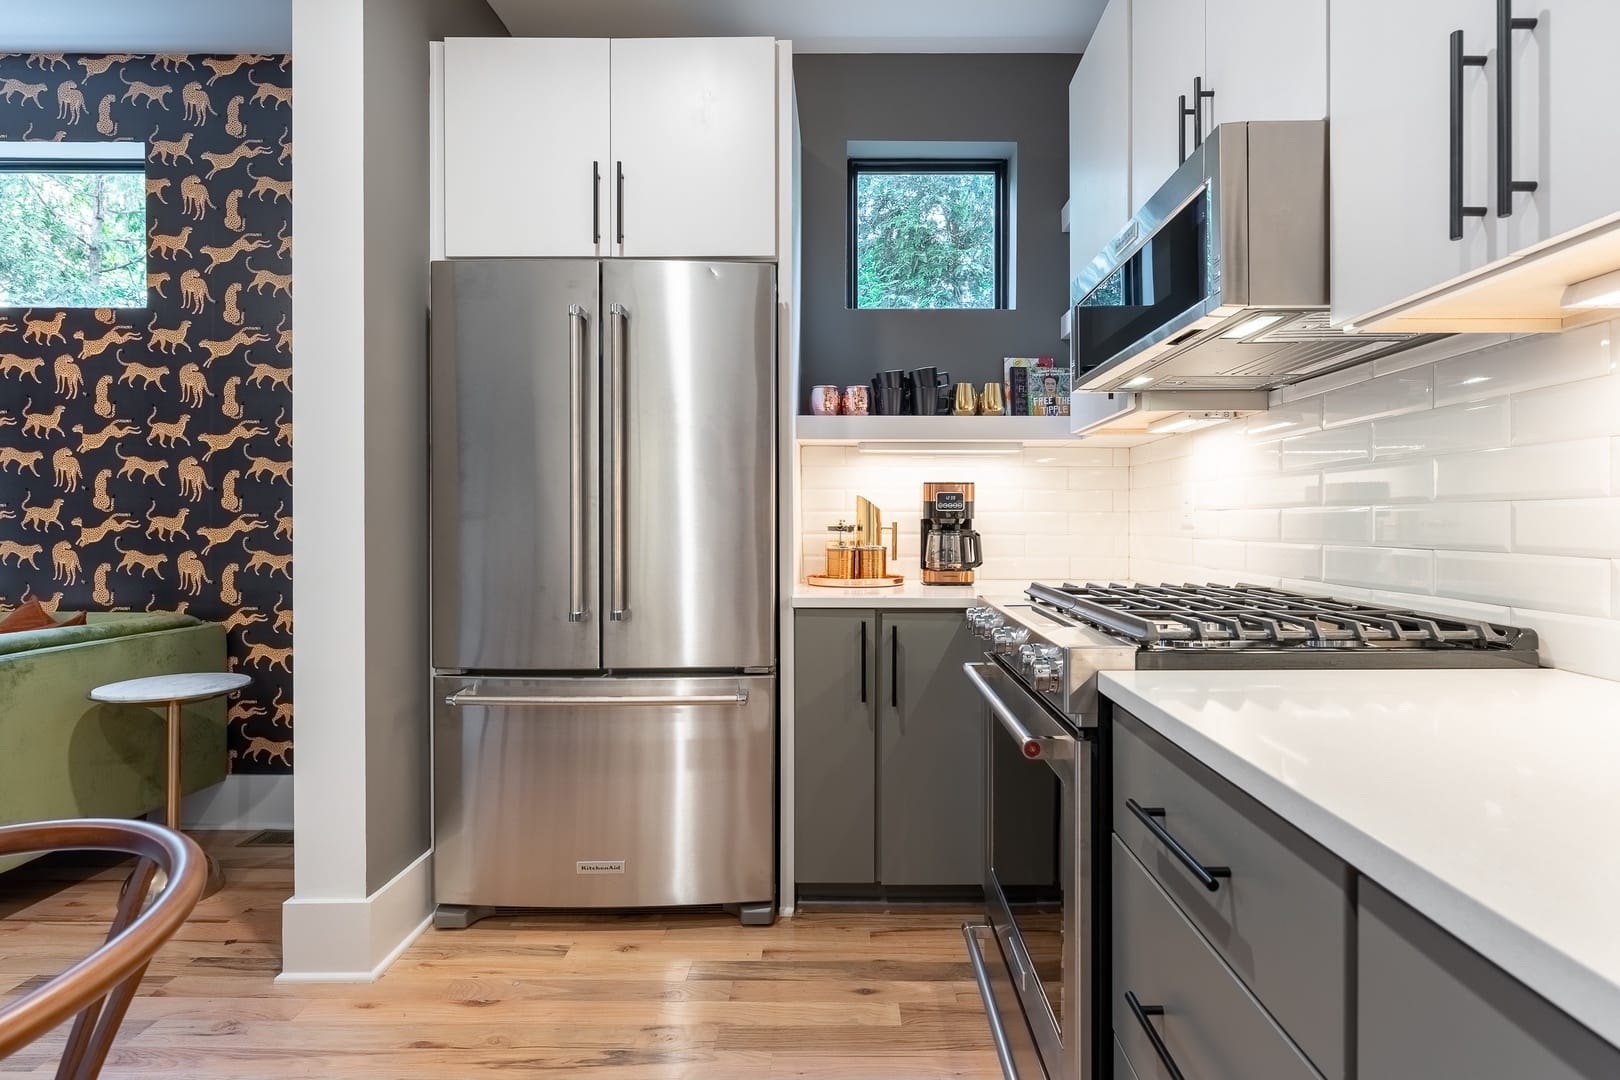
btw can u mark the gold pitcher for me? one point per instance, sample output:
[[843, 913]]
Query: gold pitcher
[[869, 530]]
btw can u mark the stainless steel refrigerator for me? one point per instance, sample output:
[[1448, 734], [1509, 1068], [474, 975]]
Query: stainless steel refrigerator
[[603, 458]]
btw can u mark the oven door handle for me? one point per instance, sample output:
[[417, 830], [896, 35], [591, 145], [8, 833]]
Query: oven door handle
[[1033, 747]]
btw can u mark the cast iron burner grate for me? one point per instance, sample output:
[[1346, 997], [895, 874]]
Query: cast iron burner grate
[[1249, 616]]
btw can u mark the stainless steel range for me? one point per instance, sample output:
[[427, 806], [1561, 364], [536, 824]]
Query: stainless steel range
[[1042, 954]]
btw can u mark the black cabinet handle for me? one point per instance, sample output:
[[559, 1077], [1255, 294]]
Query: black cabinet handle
[[1199, 94], [618, 168], [1459, 62], [1182, 112], [1149, 816], [863, 661], [1142, 1012], [894, 666], [1506, 186], [596, 202]]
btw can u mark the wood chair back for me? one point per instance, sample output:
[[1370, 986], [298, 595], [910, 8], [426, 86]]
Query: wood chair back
[[99, 988]]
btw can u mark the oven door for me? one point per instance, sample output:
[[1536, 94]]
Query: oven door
[[1037, 875]]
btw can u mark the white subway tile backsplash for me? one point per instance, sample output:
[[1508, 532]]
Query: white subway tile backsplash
[[1099, 523], [1287, 560], [1544, 582], [1293, 489], [1578, 410], [1349, 525], [1405, 482], [1335, 446], [1524, 364], [1402, 569], [1322, 384], [1476, 426], [1220, 554], [1099, 479], [1483, 526], [1282, 421], [1545, 471], [1568, 527], [1082, 457], [1403, 391], [1235, 524]]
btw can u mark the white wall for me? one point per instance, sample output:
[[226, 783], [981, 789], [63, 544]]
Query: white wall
[[1044, 513], [1472, 477]]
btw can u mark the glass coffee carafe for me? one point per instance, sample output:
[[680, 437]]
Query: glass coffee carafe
[[952, 549]]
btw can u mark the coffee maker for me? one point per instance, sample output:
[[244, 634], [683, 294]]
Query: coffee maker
[[950, 547]]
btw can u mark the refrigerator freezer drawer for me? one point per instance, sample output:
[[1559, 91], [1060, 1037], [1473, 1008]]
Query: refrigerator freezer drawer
[[604, 793]]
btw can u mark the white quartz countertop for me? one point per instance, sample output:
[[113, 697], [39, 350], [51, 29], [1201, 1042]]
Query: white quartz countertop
[[910, 594], [1487, 800]]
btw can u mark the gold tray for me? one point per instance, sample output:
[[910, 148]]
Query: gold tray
[[884, 582]]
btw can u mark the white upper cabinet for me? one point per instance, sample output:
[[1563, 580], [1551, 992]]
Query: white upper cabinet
[[1167, 53], [525, 134], [1265, 60], [694, 131], [1100, 138], [543, 137]]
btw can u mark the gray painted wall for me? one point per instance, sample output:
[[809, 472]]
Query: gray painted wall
[[1019, 98], [398, 786]]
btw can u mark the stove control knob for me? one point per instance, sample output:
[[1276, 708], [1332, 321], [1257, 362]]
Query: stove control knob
[[1006, 638], [1046, 668], [987, 625]]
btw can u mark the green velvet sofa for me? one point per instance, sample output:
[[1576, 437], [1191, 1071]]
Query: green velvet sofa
[[63, 755]]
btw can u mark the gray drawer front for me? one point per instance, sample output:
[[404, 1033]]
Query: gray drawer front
[[1431, 1007], [1212, 1026], [1282, 920]]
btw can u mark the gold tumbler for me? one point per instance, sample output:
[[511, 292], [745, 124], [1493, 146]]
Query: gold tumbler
[[967, 402], [990, 402]]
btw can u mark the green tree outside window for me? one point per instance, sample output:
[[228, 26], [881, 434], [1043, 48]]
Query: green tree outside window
[[72, 239], [925, 239]]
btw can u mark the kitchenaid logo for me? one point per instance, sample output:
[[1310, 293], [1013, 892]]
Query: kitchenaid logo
[[599, 866]]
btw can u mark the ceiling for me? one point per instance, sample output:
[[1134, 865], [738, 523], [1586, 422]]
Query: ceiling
[[823, 25], [220, 26]]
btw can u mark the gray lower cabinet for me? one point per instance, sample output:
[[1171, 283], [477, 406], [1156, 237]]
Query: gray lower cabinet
[[1428, 1006], [888, 750]]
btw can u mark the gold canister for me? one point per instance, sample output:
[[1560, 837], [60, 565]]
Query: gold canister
[[967, 402], [871, 561], [840, 552], [990, 402]]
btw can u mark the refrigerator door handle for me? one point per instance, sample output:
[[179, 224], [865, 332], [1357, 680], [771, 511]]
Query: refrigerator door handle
[[578, 324], [618, 555], [465, 697]]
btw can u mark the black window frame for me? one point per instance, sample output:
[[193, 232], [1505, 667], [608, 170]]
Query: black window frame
[[996, 167]]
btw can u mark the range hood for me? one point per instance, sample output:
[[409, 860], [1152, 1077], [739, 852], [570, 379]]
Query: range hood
[[1160, 412], [1220, 281]]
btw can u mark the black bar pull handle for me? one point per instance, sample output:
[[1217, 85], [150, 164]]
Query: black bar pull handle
[[1199, 94], [596, 202], [1142, 1013], [1182, 112], [1506, 186], [894, 667], [1460, 61], [618, 197], [1208, 876], [863, 661]]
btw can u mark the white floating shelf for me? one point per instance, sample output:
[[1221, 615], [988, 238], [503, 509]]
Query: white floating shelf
[[849, 430]]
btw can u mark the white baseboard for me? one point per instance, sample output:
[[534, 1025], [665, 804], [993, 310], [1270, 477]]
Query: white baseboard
[[356, 940], [241, 801]]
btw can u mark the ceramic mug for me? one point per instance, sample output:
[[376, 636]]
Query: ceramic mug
[[854, 401], [824, 400]]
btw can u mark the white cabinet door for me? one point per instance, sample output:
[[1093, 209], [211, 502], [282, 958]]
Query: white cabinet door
[[1389, 152], [1100, 138], [1167, 53], [1266, 60], [694, 131], [1558, 70], [525, 133]]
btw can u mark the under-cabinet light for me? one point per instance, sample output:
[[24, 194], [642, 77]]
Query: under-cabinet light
[[1140, 380], [1602, 291], [1191, 421], [1252, 325], [936, 448]]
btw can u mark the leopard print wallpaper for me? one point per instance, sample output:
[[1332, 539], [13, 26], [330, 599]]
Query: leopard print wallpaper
[[146, 455]]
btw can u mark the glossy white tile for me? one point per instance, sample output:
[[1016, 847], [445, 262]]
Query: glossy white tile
[[1543, 582], [1235, 524], [1287, 560], [1579, 410], [1405, 482], [1523, 364], [1568, 527], [1220, 554], [1282, 421], [1335, 446], [1402, 391], [1347, 525], [1380, 568], [1289, 489], [1475, 426], [1545, 471], [1482, 526]]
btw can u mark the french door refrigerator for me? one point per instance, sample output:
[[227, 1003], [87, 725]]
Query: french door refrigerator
[[603, 459]]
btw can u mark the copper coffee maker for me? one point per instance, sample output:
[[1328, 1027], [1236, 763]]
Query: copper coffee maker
[[950, 548]]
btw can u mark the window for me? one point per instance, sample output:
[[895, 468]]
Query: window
[[927, 233], [73, 225]]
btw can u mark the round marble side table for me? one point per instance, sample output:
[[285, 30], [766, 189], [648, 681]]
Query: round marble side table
[[175, 691]]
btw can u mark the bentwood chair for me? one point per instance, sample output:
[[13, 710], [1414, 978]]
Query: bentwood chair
[[99, 988]]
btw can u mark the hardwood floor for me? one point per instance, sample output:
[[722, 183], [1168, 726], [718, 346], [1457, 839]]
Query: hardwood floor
[[824, 996]]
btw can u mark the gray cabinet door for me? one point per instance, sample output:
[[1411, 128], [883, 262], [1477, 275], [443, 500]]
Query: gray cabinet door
[[1429, 1006], [930, 752], [834, 767]]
